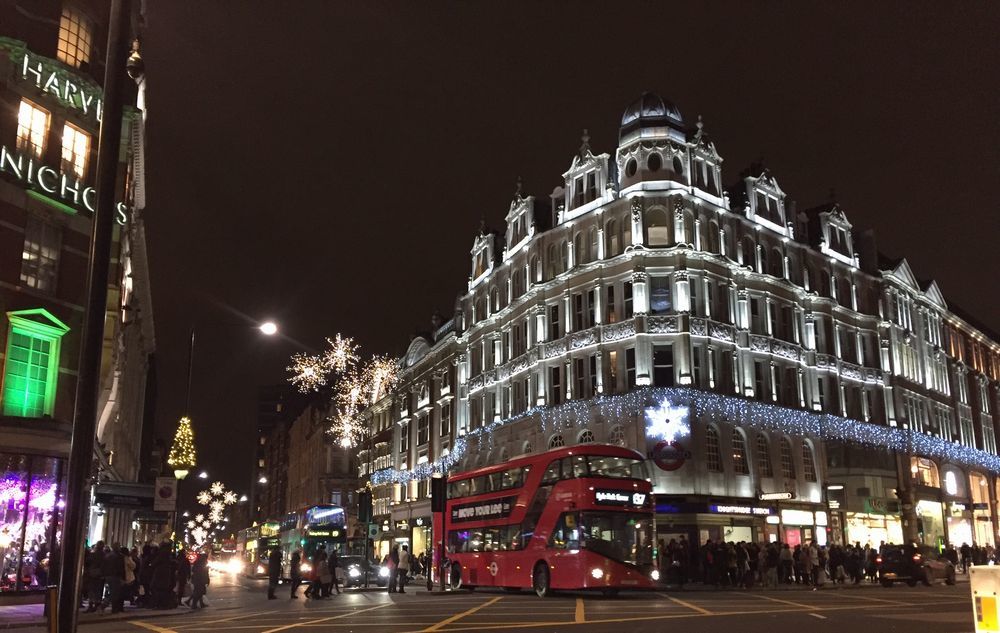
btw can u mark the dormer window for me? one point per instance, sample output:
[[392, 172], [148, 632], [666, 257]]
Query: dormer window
[[584, 189], [480, 267], [838, 240]]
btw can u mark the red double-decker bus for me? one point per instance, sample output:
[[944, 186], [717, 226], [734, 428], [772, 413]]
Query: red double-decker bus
[[572, 518]]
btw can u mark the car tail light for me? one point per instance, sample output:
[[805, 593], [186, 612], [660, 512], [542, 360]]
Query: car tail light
[[878, 560], [916, 558]]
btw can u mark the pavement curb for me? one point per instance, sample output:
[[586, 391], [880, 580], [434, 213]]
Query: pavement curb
[[141, 614]]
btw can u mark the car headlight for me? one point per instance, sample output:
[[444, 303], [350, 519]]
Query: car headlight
[[353, 572], [234, 566], [306, 567], [655, 574], [597, 573], [383, 573]]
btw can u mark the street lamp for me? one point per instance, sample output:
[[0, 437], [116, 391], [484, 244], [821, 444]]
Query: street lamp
[[268, 328], [203, 475]]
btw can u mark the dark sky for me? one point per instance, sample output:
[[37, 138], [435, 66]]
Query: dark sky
[[326, 164]]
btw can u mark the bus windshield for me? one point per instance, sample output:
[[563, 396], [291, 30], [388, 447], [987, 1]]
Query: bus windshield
[[619, 467]]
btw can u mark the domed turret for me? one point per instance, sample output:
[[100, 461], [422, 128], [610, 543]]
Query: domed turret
[[649, 116]]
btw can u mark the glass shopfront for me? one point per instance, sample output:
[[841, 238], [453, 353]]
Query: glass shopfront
[[30, 508], [873, 529], [930, 517], [982, 521], [959, 525]]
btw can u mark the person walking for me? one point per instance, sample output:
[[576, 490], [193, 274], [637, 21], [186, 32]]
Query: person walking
[[325, 577], [403, 568], [333, 563], [199, 581], [295, 573], [128, 589], [273, 572], [183, 576], [113, 572], [393, 568], [163, 580]]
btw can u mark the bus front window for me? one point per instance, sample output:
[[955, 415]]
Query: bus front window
[[622, 536], [617, 467]]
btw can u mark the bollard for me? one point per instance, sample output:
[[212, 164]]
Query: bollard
[[52, 607]]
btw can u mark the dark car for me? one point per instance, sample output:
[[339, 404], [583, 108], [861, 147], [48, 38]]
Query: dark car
[[358, 569], [912, 564]]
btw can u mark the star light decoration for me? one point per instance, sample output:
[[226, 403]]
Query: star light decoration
[[357, 391], [215, 499], [707, 407], [313, 372]]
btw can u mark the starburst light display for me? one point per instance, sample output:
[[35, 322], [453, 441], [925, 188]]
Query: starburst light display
[[215, 499], [308, 373], [341, 354]]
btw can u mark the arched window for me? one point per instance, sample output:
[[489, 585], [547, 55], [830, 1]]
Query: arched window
[[479, 310], [712, 185], [764, 457], [844, 292], [749, 251], [526, 448], [612, 241], [740, 464], [787, 465], [824, 284], [579, 254], [808, 465], [494, 300], [713, 456], [657, 227], [556, 441], [553, 261], [794, 269], [535, 268], [503, 455], [564, 261], [586, 436], [678, 167], [713, 237], [925, 472], [592, 255], [776, 263], [727, 243], [617, 435], [654, 162]]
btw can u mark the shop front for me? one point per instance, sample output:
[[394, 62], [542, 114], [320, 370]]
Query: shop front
[[959, 521], [798, 526], [728, 521], [871, 528], [930, 522], [420, 535], [982, 516]]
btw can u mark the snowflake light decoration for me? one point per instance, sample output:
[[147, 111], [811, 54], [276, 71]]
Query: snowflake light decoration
[[308, 372], [215, 499], [217, 488], [341, 354], [229, 497], [199, 518], [204, 497], [666, 421]]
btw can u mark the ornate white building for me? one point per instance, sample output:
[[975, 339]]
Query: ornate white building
[[751, 351]]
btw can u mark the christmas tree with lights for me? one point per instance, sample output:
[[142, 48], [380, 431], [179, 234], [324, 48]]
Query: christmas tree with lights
[[181, 457]]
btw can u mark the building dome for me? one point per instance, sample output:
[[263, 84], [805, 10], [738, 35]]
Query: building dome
[[649, 112]]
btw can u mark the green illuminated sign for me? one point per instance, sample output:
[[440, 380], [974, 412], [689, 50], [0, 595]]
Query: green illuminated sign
[[53, 78], [51, 183]]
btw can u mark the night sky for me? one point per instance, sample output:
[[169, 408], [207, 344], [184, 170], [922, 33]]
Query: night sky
[[326, 164]]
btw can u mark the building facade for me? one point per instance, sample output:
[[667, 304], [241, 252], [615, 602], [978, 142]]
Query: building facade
[[51, 69], [785, 381]]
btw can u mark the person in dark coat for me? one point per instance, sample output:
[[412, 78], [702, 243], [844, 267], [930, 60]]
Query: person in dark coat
[[332, 563], [393, 568], [295, 572], [273, 572], [93, 565], [199, 582], [183, 575], [164, 578], [113, 571]]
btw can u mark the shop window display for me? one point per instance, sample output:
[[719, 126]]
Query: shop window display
[[29, 501]]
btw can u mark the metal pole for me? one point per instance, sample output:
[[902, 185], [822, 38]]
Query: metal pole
[[187, 396], [92, 342]]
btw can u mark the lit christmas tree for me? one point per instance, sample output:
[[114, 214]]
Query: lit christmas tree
[[181, 457]]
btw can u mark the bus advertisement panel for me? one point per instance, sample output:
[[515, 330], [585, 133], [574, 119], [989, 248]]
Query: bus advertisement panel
[[572, 518]]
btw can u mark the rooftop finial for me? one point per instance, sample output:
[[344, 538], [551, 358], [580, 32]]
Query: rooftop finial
[[585, 142], [700, 124], [482, 224], [517, 192]]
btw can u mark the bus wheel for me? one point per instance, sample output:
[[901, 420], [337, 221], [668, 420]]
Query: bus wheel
[[540, 580], [456, 577]]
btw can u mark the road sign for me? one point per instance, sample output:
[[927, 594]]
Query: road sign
[[165, 494]]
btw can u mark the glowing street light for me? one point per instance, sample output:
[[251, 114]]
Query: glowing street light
[[268, 328], [203, 475]]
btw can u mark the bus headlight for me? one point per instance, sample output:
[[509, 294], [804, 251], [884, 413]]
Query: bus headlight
[[383, 573], [597, 573], [234, 566], [353, 572], [306, 567], [655, 574]]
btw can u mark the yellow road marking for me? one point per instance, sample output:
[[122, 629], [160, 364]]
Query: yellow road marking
[[794, 604], [332, 617], [685, 603], [151, 627], [580, 617], [459, 616], [235, 617], [882, 600]]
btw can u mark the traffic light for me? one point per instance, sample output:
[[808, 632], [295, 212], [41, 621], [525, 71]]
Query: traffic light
[[365, 506], [439, 493]]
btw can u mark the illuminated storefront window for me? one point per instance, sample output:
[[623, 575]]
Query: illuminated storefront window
[[982, 523], [32, 366], [76, 37], [75, 146], [925, 472], [30, 501], [40, 257], [32, 128], [931, 522]]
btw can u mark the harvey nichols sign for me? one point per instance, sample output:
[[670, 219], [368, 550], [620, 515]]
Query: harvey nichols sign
[[53, 79], [58, 184]]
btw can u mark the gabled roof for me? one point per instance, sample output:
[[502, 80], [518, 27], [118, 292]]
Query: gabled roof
[[933, 293]]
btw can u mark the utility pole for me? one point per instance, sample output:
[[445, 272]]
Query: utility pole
[[89, 382]]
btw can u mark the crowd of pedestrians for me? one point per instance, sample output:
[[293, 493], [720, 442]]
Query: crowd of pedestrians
[[155, 578], [745, 565]]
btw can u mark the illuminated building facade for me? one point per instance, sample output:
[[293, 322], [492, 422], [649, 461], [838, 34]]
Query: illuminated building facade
[[51, 69], [784, 380]]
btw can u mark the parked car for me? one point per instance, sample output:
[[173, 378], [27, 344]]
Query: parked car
[[358, 570], [912, 564]]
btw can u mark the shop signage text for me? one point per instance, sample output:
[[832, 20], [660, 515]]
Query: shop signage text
[[604, 497], [775, 496], [492, 509], [49, 77], [751, 510], [49, 181]]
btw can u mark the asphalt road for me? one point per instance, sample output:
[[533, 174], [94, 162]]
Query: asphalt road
[[243, 609]]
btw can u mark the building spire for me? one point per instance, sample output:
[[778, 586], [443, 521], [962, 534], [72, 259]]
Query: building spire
[[585, 143]]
